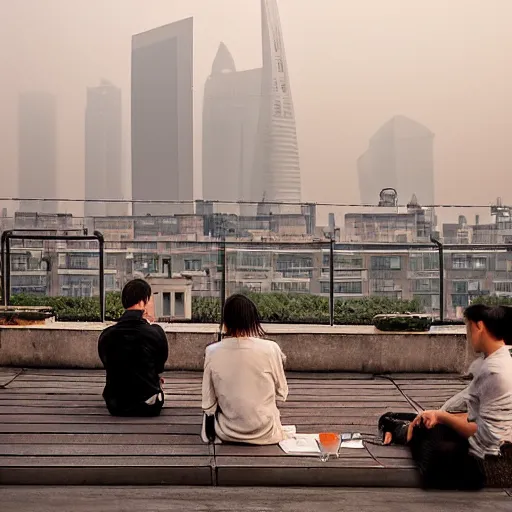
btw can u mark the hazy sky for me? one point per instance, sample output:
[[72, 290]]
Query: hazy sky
[[353, 64]]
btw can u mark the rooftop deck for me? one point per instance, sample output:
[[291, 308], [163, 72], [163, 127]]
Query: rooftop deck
[[222, 499], [55, 430]]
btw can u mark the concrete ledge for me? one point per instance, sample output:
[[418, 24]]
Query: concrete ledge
[[317, 476], [309, 348], [108, 475]]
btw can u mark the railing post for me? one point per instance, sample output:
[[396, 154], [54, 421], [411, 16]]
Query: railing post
[[222, 286], [101, 242], [7, 270], [331, 282], [441, 276], [2, 266]]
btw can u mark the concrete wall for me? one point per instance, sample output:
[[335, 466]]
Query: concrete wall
[[308, 348]]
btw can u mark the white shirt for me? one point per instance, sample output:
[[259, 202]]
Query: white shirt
[[243, 378], [490, 404]]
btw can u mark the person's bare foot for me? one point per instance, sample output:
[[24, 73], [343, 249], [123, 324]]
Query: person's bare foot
[[388, 438]]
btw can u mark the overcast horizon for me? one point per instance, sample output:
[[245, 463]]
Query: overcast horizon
[[353, 65]]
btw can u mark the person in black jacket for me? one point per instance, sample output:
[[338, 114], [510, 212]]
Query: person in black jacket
[[134, 353]]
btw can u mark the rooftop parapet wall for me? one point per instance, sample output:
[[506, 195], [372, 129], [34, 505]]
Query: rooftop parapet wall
[[308, 348]]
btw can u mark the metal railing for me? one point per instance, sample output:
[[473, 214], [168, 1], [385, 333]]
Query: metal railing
[[444, 277]]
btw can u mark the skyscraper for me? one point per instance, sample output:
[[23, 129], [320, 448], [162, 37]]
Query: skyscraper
[[162, 118], [37, 151], [230, 123], [103, 151], [400, 156], [277, 167]]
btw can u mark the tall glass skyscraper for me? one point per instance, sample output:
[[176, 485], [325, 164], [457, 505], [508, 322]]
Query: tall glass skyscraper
[[162, 118], [231, 112], [37, 152], [401, 156], [277, 165], [250, 149], [103, 151]]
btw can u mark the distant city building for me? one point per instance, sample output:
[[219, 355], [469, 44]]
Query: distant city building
[[162, 118], [188, 246], [231, 109], [104, 177], [498, 232], [250, 148], [277, 165], [401, 156], [37, 151], [413, 224]]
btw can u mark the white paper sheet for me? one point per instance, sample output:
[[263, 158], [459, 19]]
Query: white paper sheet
[[301, 444]]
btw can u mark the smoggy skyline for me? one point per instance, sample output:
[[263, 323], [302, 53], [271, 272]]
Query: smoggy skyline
[[353, 65]]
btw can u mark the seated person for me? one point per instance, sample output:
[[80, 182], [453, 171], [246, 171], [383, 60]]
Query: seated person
[[463, 449], [243, 379], [134, 353]]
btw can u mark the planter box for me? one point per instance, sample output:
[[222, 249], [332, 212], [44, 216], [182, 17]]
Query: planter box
[[403, 323], [26, 316]]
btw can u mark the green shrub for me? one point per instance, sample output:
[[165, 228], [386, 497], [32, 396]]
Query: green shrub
[[362, 311], [297, 308], [74, 309], [407, 323], [273, 308], [206, 310], [493, 300]]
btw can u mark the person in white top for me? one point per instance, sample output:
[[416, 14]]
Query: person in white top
[[473, 448], [244, 379]]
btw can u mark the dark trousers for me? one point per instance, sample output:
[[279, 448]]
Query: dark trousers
[[444, 461], [441, 455], [138, 410]]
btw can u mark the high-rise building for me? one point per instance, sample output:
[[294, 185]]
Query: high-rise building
[[230, 124], [400, 156], [277, 166], [162, 118], [103, 151], [37, 152]]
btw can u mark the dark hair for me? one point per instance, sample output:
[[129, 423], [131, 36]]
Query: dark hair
[[134, 292], [241, 317], [497, 320]]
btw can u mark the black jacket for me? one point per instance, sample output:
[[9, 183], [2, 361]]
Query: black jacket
[[133, 353]]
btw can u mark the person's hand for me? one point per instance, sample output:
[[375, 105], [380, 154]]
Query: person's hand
[[428, 418], [432, 418], [149, 318], [149, 311]]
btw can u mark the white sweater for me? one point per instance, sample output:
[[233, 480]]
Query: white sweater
[[243, 378]]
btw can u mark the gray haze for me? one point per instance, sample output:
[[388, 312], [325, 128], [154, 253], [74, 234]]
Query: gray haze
[[353, 64]]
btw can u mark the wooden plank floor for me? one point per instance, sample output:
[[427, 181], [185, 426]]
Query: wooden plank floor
[[219, 499], [55, 430]]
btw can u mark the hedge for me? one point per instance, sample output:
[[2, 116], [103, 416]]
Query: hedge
[[493, 300], [75, 309], [273, 307], [297, 308]]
